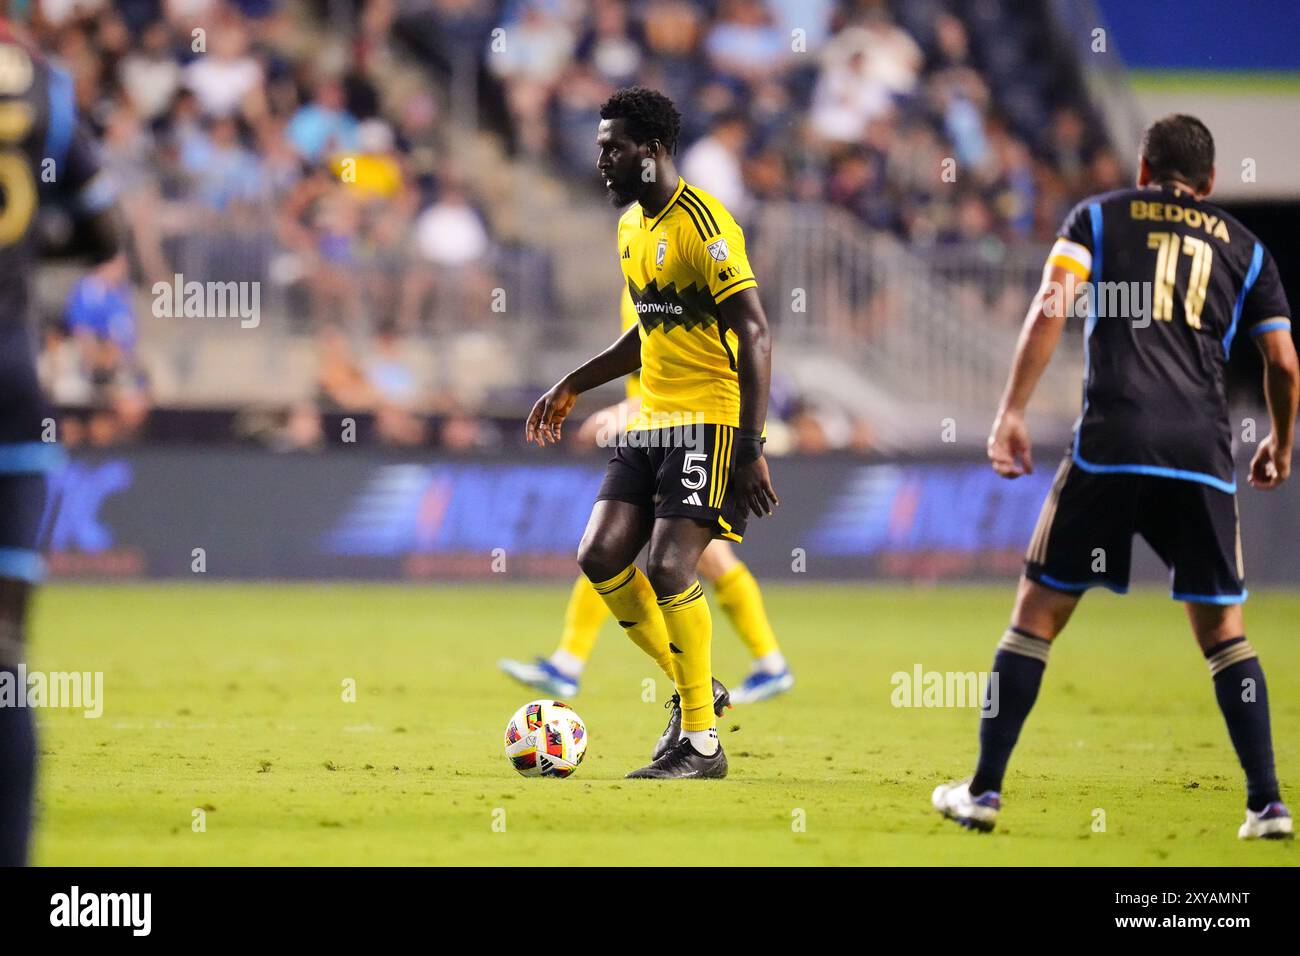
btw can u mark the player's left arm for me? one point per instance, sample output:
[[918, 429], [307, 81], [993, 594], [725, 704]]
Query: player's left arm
[[743, 314]]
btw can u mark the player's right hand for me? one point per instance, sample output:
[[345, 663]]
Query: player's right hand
[[1271, 465], [549, 412], [1009, 448]]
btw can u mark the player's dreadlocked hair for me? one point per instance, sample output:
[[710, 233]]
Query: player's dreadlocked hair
[[647, 114], [1179, 147]]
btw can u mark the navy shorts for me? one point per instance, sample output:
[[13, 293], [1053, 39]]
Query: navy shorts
[[1084, 535]]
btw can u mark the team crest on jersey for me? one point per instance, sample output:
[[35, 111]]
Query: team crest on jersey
[[661, 252], [718, 249]]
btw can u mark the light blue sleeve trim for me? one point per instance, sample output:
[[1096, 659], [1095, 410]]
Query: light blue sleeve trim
[[1272, 325], [33, 457]]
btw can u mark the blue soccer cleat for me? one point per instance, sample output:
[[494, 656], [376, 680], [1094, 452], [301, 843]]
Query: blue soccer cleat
[[760, 685], [541, 675]]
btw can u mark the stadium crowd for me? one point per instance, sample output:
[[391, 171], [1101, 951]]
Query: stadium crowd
[[244, 148]]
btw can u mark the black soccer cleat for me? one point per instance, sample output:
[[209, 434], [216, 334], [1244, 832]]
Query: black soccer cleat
[[671, 734], [684, 762]]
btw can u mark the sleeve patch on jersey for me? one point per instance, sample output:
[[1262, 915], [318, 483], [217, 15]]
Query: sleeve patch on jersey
[[718, 249], [1072, 256]]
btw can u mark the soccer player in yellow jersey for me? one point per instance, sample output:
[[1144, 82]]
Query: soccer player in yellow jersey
[[690, 466], [734, 587]]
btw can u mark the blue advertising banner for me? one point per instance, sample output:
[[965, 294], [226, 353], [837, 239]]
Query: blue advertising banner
[[155, 512]]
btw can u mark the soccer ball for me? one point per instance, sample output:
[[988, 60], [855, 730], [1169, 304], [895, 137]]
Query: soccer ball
[[546, 738]]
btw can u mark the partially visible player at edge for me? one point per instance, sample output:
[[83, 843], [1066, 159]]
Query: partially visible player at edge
[[1152, 450], [691, 465], [38, 135], [734, 587]]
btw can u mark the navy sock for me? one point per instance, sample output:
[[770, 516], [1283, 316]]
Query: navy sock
[[1019, 663], [1243, 698], [17, 779]]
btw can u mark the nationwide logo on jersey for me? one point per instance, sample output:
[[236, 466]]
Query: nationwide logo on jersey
[[668, 308], [661, 252], [718, 249]]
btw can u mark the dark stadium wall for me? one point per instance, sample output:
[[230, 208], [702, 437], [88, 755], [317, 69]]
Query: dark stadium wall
[[166, 512]]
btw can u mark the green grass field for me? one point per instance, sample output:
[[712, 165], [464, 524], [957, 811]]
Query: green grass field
[[229, 698]]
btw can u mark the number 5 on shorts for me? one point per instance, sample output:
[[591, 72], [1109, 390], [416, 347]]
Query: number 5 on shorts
[[692, 466]]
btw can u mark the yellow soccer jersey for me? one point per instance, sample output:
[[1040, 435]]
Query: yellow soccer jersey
[[680, 266], [627, 319]]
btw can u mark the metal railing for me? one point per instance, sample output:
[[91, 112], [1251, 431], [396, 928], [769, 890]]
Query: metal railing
[[932, 329]]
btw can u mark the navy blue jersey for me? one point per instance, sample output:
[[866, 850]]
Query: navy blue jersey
[[1174, 282], [43, 156]]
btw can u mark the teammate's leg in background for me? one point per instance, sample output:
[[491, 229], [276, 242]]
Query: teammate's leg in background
[[1040, 614], [559, 674], [614, 537], [741, 600], [1243, 698]]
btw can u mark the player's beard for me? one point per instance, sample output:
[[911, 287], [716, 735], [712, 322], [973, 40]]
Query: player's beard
[[623, 193]]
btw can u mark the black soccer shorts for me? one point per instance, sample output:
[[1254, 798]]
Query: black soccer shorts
[[1084, 535], [682, 472]]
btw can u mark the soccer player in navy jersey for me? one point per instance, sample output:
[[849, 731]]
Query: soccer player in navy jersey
[[44, 155], [1151, 453]]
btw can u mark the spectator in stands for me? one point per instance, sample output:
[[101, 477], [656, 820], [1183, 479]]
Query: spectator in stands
[[451, 237], [226, 79], [715, 163], [151, 75], [530, 57], [323, 128], [100, 317], [744, 43], [223, 170], [398, 396]]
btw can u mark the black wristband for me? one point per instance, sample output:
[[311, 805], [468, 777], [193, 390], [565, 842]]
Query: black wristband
[[748, 448]]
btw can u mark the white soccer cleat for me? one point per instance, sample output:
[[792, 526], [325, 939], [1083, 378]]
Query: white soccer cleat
[[1271, 823], [955, 802]]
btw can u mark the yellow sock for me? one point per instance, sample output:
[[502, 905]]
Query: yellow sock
[[583, 616], [742, 602], [631, 599], [690, 636]]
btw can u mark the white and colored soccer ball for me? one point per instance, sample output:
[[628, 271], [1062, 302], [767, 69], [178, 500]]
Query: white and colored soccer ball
[[546, 738]]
